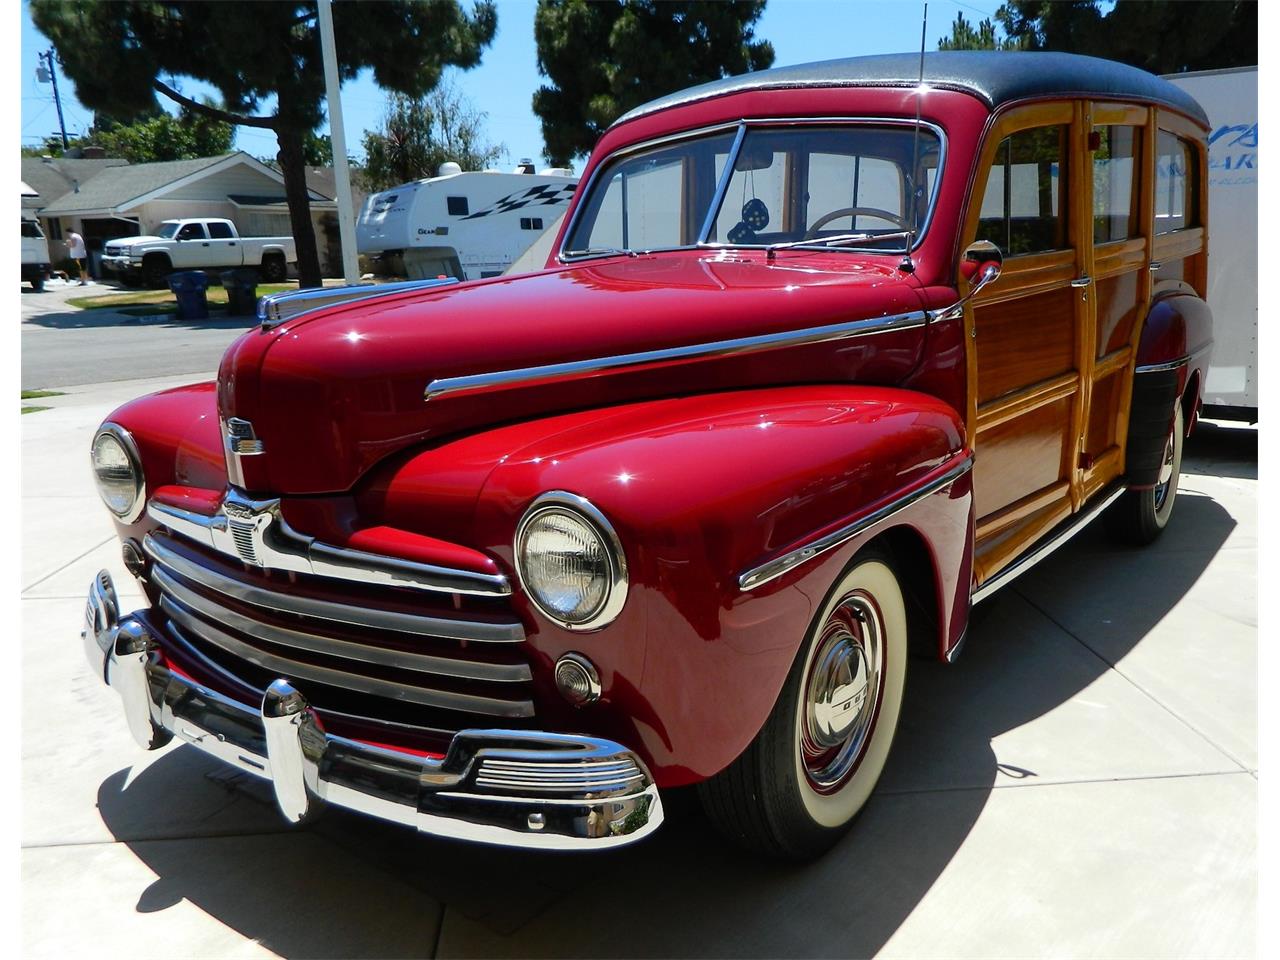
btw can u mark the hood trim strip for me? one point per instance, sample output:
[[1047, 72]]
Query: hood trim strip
[[575, 369]]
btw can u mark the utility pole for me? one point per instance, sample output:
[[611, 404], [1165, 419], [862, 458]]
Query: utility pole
[[337, 134], [53, 78]]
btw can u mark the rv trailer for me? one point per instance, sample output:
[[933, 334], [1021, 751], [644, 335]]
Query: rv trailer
[[464, 225], [1230, 98]]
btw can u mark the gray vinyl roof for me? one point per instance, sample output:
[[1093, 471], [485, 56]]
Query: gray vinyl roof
[[994, 77], [118, 185]]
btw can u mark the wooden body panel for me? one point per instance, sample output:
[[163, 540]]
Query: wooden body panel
[[1053, 344]]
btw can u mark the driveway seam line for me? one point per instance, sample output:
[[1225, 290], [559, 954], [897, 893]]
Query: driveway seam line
[[1061, 783], [32, 586], [1137, 686]]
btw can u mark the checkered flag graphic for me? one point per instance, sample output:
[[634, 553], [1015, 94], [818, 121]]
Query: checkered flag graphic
[[547, 195]]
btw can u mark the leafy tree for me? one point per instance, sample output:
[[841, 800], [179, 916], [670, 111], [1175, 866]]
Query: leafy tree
[[120, 55], [166, 137], [420, 133], [965, 36], [604, 58], [1162, 36]]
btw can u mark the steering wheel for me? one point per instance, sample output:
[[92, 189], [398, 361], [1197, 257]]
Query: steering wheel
[[879, 214]]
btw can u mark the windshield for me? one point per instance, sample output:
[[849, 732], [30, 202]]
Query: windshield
[[31, 229], [788, 184], [167, 230]]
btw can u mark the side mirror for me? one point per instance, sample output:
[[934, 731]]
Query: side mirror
[[982, 262], [980, 265]]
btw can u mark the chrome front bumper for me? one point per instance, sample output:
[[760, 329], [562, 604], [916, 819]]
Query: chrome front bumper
[[511, 787]]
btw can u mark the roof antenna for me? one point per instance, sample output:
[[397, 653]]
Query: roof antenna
[[907, 266]]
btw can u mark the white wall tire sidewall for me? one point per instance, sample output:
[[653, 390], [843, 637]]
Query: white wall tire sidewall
[[837, 809], [1166, 508]]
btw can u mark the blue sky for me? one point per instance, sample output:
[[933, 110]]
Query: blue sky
[[502, 86]]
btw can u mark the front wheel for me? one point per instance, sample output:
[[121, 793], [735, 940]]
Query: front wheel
[[1139, 516], [798, 786], [37, 283]]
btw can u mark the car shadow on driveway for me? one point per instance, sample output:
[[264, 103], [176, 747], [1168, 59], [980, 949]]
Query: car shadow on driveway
[[94, 319], [685, 892]]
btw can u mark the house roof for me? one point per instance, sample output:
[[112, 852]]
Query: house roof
[[52, 178], [996, 77], [115, 187], [323, 181]]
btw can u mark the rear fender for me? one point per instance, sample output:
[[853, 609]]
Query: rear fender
[[703, 490], [1173, 359]]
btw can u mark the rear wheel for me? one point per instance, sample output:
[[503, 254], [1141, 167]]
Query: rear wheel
[[1139, 516], [274, 269], [799, 785]]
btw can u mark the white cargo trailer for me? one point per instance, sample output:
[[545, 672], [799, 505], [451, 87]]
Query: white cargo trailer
[[1230, 97], [464, 225]]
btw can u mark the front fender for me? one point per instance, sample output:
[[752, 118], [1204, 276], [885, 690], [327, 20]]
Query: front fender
[[699, 490]]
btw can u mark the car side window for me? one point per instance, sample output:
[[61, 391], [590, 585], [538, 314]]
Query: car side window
[[1024, 205], [1115, 180], [191, 231], [1176, 184], [220, 231]]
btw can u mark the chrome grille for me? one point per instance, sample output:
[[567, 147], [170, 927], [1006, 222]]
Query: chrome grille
[[242, 534], [448, 663], [585, 776]]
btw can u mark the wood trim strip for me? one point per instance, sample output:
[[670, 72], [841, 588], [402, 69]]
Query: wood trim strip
[[1006, 517], [1112, 363], [1006, 408], [1179, 244]]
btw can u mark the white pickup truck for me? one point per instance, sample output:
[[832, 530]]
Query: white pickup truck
[[197, 244]]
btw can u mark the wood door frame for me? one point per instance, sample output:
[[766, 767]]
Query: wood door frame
[[1023, 276]]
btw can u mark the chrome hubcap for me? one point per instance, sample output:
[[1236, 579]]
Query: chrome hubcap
[[842, 692]]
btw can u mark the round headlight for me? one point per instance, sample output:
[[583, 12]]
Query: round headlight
[[118, 470], [570, 562]]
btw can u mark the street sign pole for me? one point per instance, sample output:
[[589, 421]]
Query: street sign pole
[[342, 175]]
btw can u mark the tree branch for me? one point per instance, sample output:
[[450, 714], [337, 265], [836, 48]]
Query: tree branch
[[268, 123]]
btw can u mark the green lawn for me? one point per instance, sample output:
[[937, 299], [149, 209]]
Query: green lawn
[[164, 300], [36, 395]]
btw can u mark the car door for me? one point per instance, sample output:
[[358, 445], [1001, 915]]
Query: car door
[[1029, 366], [192, 247], [224, 247]]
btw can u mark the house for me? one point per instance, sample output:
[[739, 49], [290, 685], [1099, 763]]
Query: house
[[104, 199]]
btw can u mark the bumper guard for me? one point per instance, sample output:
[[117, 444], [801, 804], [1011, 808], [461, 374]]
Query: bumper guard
[[510, 787]]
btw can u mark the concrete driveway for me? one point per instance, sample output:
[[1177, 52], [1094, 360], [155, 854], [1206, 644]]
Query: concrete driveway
[[1082, 783]]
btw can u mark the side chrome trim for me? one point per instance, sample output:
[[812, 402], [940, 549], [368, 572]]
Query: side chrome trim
[[354, 615], [1181, 361], [256, 532], [757, 576], [1028, 560], [503, 379], [275, 308]]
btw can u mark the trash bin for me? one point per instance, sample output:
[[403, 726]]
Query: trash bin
[[189, 288], [242, 291]]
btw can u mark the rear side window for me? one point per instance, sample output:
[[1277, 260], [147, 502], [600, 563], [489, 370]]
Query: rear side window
[[1177, 182], [1115, 179], [457, 206], [1024, 206], [220, 231]]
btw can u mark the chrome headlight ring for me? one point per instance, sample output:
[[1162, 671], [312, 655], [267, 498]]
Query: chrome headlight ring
[[582, 511], [124, 439]]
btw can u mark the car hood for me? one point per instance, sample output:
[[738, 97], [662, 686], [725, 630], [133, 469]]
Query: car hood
[[133, 241], [335, 391]]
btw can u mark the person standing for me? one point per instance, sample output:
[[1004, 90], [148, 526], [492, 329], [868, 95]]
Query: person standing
[[75, 250]]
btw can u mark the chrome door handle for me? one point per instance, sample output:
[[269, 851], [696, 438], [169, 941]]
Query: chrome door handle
[[1154, 265], [1082, 281]]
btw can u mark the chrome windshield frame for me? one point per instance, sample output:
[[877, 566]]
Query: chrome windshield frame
[[565, 256]]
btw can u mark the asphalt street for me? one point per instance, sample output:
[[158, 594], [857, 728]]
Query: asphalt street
[[64, 346], [1082, 782]]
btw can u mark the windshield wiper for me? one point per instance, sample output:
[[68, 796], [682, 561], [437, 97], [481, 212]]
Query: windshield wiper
[[599, 252], [840, 240]]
